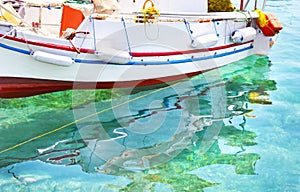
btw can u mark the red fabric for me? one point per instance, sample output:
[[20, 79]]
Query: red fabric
[[71, 18]]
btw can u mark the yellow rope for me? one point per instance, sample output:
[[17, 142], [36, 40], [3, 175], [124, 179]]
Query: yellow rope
[[150, 11], [83, 118]]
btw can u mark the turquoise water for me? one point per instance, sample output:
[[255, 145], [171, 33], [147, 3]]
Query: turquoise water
[[232, 129]]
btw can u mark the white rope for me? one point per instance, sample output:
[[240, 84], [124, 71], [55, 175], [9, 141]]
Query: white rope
[[7, 33]]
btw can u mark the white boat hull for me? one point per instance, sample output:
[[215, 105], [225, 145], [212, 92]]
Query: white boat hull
[[118, 52]]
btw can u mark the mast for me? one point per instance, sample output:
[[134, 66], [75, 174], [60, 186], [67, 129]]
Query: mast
[[242, 5]]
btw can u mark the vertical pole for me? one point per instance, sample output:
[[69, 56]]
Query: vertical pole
[[263, 6], [255, 5], [246, 4], [94, 33], [128, 43], [242, 5], [40, 16]]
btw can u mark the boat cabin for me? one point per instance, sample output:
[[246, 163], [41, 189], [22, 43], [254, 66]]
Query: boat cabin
[[54, 17]]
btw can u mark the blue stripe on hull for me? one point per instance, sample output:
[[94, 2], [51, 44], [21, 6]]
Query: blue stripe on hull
[[140, 62]]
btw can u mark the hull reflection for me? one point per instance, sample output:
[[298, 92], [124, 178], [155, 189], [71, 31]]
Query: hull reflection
[[164, 134]]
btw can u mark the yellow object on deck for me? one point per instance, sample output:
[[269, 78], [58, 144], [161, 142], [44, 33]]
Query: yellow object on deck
[[262, 19], [220, 6], [268, 23], [7, 13], [150, 12]]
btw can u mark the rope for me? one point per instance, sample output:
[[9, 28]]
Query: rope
[[244, 14], [127, 38], [83, 118], [70, 36], [150, 11], [7, 33], [84, 37], [27, 44]]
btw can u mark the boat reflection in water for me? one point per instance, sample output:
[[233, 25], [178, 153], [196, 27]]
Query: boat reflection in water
[[156, 139]]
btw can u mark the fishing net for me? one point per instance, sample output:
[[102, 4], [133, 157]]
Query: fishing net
[[220, 6]]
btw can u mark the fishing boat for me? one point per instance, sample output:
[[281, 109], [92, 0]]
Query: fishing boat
[[54, 46]]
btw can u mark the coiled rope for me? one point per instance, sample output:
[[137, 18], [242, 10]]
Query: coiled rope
[[149, 12]]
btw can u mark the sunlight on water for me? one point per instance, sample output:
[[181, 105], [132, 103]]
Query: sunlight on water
[[231, 129]]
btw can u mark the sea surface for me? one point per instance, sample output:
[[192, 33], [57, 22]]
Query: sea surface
[[232, 129]]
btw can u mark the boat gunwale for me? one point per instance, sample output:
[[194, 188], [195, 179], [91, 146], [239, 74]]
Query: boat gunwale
[[134, 54]]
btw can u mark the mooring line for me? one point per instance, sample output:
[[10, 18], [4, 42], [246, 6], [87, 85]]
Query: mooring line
[[83, 118]]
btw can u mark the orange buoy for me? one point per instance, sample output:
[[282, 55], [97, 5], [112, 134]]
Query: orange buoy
[[268, 23]]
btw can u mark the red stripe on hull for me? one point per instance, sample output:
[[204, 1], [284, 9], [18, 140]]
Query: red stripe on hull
[[153, 54], [48, 45], [134, 54], [14, 87]]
